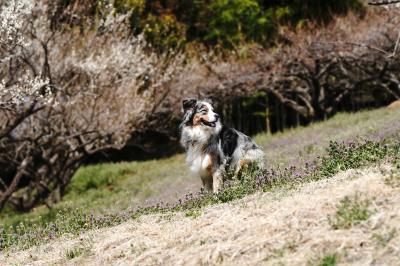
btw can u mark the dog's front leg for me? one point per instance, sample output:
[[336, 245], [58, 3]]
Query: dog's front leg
[[207, 182], [218, 179]]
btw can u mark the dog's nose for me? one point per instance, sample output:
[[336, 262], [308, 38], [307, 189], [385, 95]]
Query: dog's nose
[[216, 116]]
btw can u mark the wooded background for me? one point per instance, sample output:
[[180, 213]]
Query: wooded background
[[89, 81]]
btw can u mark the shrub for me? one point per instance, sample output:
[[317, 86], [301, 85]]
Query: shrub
[[163, 33], [226, 23], [235, 21], [125, 6], [323, 12]]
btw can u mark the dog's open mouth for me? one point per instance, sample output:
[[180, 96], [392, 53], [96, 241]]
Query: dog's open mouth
[[209, 124]]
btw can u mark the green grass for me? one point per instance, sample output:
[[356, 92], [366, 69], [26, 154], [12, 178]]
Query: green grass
[[382, 239], [288, 247], [82, 249], [350, 211], [108, 188], [137, 250], [107, 194], [303, 144], [327, 260], [193, 213]]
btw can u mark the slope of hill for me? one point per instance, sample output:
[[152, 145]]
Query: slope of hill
[[350, 217], [280, 228], [115, 187]]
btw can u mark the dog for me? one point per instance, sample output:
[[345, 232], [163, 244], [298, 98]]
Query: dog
[[212, 148]]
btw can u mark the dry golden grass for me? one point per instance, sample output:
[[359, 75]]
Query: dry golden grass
[[287, 227]]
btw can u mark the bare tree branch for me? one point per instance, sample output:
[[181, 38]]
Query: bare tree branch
[[383, 2]]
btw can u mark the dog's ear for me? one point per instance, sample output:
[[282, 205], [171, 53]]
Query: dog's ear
[[188, 104]]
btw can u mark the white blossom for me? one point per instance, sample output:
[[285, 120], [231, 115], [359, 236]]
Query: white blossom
[[12, 18], [11, 21]]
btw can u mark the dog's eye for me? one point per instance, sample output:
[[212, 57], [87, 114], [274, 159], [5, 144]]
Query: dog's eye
[[204, 112]]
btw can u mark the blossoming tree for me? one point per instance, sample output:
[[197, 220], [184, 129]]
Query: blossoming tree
[[55, 111]]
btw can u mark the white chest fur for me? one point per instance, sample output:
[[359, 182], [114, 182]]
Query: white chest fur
[[199, 163]]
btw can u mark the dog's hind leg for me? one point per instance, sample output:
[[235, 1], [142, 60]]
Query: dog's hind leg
[[242, 164], [253, 159]]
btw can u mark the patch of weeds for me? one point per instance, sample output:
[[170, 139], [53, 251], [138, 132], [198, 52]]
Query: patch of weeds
[[280, 252], [193, 213], [342, 157], [207, 240], [327, 260], [350, 211], [167, 216], [73, 222], [74, 253], [393, 179], [78, 251], [382, 239], [138, 249], [234, 192]]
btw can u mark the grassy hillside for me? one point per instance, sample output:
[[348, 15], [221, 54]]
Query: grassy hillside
[[109, 194], [350, 219]]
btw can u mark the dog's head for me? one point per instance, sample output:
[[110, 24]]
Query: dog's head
[[200, 114]]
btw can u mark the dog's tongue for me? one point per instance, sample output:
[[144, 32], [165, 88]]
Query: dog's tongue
[[209, 124]]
